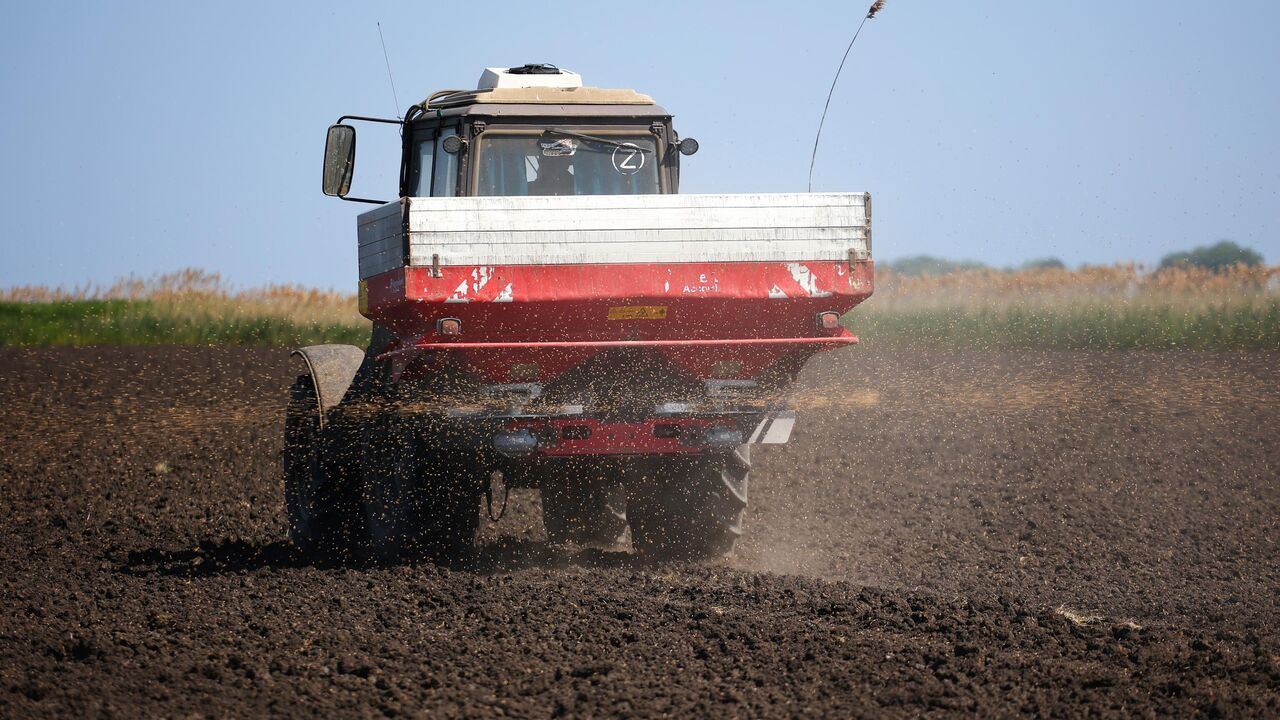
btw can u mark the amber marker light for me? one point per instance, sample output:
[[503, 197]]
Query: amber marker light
[[829, 320], [449, 326]]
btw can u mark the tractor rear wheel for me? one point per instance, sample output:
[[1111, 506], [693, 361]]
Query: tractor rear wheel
[[418, 500], [688, 507], [319, 501], [584, 505]]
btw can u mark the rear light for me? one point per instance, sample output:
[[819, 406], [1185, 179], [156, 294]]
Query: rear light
[[829, 320], [449, 326]]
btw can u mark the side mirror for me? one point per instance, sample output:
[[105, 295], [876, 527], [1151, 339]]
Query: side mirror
[[339, 160], [688, 146]]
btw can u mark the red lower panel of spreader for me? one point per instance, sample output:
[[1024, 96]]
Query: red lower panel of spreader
[[529, 323], [535, 362]]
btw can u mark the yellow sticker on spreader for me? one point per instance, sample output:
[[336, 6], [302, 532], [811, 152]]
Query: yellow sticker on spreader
[[638, 312]]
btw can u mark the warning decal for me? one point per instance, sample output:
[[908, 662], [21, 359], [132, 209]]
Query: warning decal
[[638, 312]]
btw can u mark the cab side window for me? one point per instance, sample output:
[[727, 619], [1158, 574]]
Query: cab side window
[[435, 172], [446, 171], [420, 183]]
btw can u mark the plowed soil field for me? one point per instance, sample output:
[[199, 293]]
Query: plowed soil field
[[948, 533]]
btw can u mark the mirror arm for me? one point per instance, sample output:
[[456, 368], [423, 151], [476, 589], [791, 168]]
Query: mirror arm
[[369, 119], [387, 121]]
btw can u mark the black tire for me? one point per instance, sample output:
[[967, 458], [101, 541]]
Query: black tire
[[688, 507], [418, 500], [319, 498], [584, 504]]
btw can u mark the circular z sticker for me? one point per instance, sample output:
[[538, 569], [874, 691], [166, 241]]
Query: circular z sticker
[[628, 159]]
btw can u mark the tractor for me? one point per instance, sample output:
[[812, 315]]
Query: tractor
[[549, 312]]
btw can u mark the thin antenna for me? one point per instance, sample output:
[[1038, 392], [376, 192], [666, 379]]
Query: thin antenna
[[389, 77], [876, 7]]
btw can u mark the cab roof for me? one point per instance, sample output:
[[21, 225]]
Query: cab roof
[[544, 101]]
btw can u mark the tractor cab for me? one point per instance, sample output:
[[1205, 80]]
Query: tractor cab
[[533, 130]]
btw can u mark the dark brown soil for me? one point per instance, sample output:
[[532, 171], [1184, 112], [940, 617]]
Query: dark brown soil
[[948, 533]]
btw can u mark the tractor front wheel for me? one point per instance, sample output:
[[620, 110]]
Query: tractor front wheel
[[319, 501]]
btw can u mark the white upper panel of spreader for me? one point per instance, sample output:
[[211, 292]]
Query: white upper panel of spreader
[[595, 229]]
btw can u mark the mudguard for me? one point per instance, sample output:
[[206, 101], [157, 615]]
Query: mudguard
[[332, 368]]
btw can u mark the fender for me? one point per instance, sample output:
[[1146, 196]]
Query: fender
[[332, 368]]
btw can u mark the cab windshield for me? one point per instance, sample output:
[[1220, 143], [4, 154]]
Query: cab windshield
[[567, 162]]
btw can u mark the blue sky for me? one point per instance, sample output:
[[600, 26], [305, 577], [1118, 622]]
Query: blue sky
[[148, 137]]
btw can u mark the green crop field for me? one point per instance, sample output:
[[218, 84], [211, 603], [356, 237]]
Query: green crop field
[[1243, 326], [1119, 307], [143, 322], [1099, 308]]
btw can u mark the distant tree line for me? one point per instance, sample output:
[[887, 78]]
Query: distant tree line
[[930, 265], [1215, 257], [1224, 254]]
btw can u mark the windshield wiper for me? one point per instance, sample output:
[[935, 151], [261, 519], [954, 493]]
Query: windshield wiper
[[594, 139]]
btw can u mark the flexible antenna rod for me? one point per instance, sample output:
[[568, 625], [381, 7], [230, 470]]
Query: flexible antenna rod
[[876, 7], [387, 60]]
